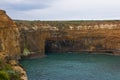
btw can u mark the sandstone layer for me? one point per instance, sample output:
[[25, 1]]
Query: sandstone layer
[[70, 36], [10, 45]]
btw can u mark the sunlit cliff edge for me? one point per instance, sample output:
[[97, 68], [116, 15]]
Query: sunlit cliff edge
[[10, 50]]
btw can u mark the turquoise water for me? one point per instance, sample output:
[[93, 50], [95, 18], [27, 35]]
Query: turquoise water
[[73, 67]]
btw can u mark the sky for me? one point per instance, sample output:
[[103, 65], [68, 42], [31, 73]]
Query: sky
[[62, 9]]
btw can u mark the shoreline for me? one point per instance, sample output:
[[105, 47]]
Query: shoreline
[[37, 55]]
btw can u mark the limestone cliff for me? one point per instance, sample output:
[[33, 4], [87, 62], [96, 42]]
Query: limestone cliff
[[67, 36], [9, 37], [33, 38], [10, 49]]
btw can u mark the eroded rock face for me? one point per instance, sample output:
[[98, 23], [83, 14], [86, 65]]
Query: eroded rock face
[[99, 36], [9, 37], [34, 41], [10, 44]]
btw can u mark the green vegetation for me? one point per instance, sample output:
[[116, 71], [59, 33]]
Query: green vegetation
[[26, 51], [7, 73], [64, 24], [4, 75]]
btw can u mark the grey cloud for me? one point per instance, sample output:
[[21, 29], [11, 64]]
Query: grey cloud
[[24, 7], [27, 5]]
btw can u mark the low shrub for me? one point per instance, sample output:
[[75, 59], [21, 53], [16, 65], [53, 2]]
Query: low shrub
[[4, 75]]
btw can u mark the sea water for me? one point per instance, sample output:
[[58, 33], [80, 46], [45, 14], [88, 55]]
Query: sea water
[[73, 66]]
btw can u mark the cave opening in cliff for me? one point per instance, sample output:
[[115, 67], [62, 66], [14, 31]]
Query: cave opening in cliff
[[51, 46], [59, 45], [55, 46], [63, 45]]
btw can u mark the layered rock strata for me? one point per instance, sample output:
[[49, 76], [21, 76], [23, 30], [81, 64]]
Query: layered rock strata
[[71, 36], [10, 43]]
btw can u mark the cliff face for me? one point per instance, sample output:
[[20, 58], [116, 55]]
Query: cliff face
[[32, 39], [68, 36], [10, 49], [85, 40], [9, 37]]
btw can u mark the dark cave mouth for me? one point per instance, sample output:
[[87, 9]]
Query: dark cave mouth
[[61, 45], [65, 45], [55, 46]]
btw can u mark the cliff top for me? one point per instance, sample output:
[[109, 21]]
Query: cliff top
[[5, 20], [2, 12]]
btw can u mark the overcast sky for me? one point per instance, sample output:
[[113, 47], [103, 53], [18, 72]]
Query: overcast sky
[[62, 9]]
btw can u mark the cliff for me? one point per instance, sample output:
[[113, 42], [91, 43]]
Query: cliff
[[9, 37], [35, 38], [9, 49], [70, 36]]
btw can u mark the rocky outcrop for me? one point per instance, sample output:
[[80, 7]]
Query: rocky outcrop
[[71, 36], [9, 37], [18, 68], [10, 44]]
